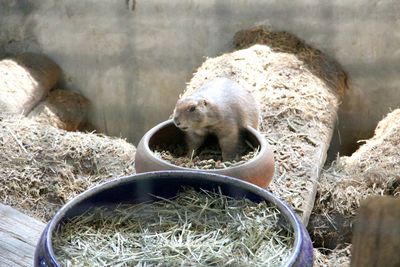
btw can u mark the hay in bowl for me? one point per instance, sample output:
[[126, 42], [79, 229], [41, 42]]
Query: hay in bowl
[[163, 148], [206, 158], [175, 218], [195, 228]]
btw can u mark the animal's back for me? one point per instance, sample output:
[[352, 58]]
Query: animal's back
[[232, 100]]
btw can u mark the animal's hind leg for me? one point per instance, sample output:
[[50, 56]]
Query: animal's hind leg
[[229, 144]]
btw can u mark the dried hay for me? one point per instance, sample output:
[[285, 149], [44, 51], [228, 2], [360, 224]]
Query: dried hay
[[25, 80], [318, 63], [334, 258], [207, 156], [41, 167], [193, 229], [62, 109], [372, 170], [298, 108]]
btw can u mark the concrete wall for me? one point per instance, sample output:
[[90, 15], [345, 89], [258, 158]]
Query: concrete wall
[[132, 58]]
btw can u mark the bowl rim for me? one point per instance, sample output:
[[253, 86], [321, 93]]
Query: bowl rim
[[287, 212], [263, 144]]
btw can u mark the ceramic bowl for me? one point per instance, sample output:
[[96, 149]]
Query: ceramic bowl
[[258, 170], [142, 187]]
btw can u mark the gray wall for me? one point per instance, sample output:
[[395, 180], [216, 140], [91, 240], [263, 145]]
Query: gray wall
[[133, 58]]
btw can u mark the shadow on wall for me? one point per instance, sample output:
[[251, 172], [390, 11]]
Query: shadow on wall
[[17, 27], [355, 123]]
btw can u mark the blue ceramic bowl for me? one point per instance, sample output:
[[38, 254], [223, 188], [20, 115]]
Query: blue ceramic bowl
[[139, 188]]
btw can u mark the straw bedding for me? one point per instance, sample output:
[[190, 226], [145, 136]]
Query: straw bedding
[[298, 90], [42, 167], [208, 157], [372, 170], [339, 257], [172, 232]]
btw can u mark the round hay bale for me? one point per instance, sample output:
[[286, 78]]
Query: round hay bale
[[298, 111], [372, 170], [321, 65], [25, 80], [42, 167], [62, 109]]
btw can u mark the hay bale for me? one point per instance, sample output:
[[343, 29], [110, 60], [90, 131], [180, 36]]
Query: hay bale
[[298, 111], [62, 109], [25, 80], [373, 170], [42, 167], [321, 65]]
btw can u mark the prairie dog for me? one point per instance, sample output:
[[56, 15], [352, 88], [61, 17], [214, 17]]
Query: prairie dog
[[221, 107]]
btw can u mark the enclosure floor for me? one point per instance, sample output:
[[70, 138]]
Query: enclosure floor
[[19, 234]]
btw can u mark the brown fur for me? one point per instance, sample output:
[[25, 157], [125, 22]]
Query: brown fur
[[221, 107]]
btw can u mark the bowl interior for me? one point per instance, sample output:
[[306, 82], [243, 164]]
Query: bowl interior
[[142, 190], [143, 187], [169, 136]]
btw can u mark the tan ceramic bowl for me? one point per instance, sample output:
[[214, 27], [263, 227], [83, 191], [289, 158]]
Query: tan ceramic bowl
[[258, 170]]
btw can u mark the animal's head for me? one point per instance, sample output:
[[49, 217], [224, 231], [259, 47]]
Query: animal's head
[[190, 113]]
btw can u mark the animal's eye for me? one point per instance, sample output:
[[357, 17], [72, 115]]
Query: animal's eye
[[192, 108]]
